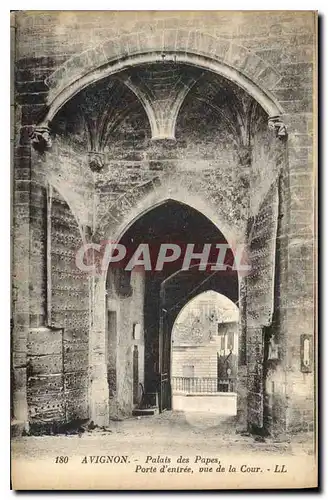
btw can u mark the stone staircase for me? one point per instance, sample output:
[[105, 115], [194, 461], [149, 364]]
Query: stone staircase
[[147, 406]]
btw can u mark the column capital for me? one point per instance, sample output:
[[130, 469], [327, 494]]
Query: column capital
[[41, 138], [275, 123], [245, 155]]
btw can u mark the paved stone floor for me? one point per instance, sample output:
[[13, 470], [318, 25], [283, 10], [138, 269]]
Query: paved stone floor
[[169, 432]]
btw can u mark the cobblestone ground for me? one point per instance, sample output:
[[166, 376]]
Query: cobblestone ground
[[169, 432]]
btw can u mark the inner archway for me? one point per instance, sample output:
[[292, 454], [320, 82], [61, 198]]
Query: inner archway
[[204, 355], [144, 302]]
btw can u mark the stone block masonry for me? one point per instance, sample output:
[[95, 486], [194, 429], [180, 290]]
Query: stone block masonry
[[126, 112]]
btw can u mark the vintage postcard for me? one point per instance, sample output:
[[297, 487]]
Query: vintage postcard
[[163, 330]]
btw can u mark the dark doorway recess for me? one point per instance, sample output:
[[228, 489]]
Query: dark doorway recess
[[167, 291]]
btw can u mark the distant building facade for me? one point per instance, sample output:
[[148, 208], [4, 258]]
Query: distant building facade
[[204, 347]]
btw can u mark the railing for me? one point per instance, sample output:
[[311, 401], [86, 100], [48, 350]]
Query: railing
[[201, 385]]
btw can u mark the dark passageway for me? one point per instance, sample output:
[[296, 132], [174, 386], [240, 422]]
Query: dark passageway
[[167, 291]]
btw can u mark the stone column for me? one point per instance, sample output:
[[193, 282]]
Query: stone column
[[39, 220], [245, 162], [296, 292], [20, 284], [20, 155], [29, 309], [266, 383], [258, 291], [98, 388], [242, 365], [275, 336]]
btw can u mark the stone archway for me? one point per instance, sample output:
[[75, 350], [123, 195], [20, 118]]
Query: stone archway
[[201, 49], [225, 284], [234, 62], [135, 203], [204, 355], [120, 214], [111, 300], [251, 329]]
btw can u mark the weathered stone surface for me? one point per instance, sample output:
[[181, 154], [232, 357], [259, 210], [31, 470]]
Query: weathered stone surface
[[214, 123]]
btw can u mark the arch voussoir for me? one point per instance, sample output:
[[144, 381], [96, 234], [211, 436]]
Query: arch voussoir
[[118, 211], [115, 54]]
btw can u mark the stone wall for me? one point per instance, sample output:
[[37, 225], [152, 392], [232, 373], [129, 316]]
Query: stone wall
[[129, 312], [270, 55], [69, 304]]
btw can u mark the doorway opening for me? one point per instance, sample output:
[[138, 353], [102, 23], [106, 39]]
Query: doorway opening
[[204, 355], [148, 302]]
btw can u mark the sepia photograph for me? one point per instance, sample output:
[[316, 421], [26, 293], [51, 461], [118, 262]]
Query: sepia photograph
[[164, 250]]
